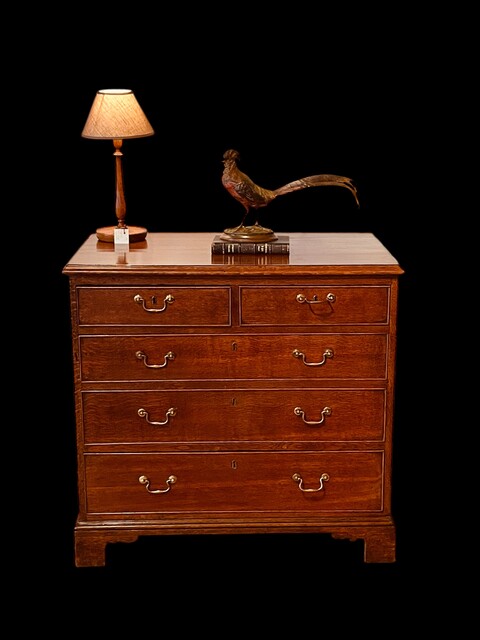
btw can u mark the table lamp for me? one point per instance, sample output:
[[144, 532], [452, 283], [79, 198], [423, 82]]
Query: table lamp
[[116, 115]]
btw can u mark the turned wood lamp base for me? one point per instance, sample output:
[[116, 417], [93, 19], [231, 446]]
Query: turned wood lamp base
[[135, 234], [107, 234]]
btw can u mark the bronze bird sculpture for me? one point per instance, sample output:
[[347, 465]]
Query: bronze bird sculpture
[[252, 196]]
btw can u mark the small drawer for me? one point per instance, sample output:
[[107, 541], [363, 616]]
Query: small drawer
[[314, 305], [199, 357], [287, 482], [155, 306], [187, 418]]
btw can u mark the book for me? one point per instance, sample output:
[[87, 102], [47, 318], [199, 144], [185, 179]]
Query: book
[[279, 246], [250, 258]]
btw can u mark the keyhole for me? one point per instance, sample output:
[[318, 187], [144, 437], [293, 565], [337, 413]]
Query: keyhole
[[234, 346], [234, 464], [154, 299]]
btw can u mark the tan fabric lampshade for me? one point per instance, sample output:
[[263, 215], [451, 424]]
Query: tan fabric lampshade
[[116, 115]]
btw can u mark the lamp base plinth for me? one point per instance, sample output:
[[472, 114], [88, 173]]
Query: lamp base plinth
[[135, 234]]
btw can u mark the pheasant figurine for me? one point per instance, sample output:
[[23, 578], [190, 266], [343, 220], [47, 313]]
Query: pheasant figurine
[[252, 196]]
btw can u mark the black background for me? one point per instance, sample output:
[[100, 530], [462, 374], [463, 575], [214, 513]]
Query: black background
[[295, 97]]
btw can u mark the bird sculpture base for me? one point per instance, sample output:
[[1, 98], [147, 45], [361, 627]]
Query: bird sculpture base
[[253, 233]]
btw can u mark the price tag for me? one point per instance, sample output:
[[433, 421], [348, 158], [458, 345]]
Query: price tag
[[120, 239]]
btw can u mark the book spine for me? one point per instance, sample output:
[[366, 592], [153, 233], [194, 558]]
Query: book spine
[[250, 247], [250, 258]]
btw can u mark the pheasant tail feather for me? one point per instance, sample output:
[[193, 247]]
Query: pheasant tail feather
[[321, 180]]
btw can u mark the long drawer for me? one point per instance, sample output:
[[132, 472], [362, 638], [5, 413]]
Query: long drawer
[[200, 357], [241, 482], [195, 416]]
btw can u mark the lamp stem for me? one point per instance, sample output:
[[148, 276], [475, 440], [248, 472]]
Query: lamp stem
[[120, 203]]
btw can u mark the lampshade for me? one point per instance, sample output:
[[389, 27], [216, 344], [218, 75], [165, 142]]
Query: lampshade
[[116, 115]]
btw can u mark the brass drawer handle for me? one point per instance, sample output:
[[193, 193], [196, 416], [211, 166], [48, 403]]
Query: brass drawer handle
[[326, 411], [170, 480], [328, 353], [168, 356], [170, 412], [330, 297], [298, 478], [169, 299]]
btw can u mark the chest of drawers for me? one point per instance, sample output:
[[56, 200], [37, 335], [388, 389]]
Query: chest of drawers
[[215, 394]]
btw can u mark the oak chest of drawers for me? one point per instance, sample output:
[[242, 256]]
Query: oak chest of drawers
[[234, 394]]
